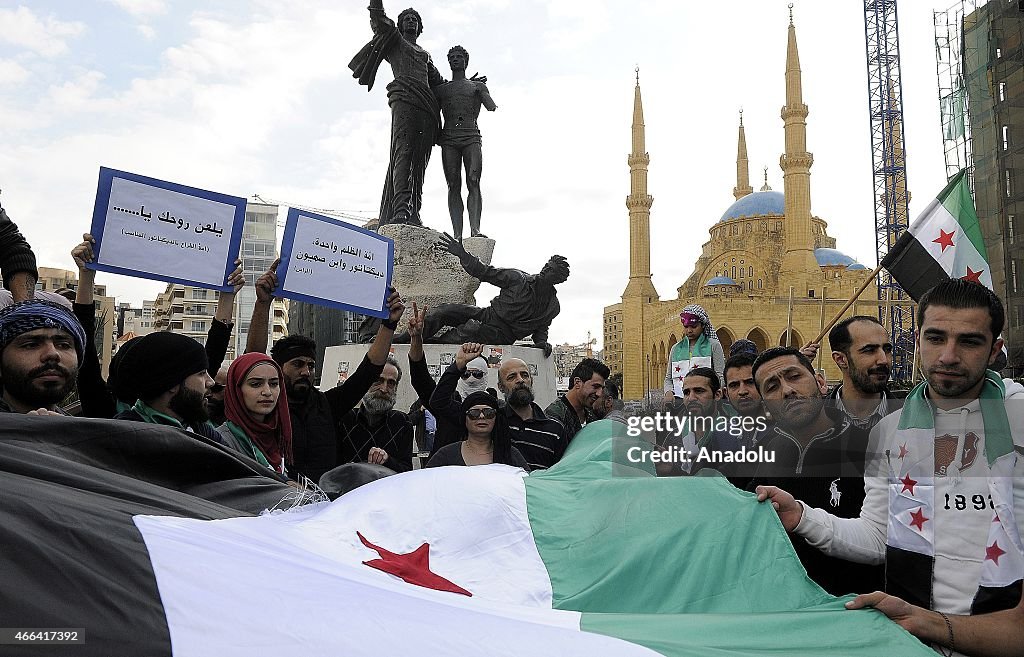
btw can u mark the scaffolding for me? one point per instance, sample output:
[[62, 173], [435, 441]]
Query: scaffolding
[[889, 172], [980, 70]]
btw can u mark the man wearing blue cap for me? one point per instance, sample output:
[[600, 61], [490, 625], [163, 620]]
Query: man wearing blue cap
[[41, 346]]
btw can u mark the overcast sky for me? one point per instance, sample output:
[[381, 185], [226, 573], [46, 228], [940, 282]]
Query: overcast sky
[[256, 97]]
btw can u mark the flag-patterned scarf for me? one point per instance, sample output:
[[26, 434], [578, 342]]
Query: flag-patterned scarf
[[910, 542]]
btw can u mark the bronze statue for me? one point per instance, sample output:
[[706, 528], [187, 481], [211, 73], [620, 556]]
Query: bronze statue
[[525, 306], [415, 115], [460, 139]]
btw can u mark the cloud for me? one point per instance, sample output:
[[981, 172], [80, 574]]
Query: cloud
[[147, 32], [45, 36], [141, 8], [11, 73]]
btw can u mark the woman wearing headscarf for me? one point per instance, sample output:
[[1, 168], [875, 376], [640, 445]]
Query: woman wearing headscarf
[[698, 348], [485, 437], [256, 407]]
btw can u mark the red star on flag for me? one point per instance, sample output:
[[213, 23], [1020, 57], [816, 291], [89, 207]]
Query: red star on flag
[[918, 519], [972, 275], [908, 484], [412, 567], [993, 552], [678, 368], [944, 239], [903, 450]]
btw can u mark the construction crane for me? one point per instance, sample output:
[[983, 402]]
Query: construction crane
[[889, 172]]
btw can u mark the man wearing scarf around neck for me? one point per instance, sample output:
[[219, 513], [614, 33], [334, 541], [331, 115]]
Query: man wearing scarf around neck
[[41, 347], [167, 374], [945, 503], [698, 348]]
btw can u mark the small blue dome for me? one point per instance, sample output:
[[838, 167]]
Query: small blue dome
[[856, 267], [832, 258], [756, 204], [721, 280]]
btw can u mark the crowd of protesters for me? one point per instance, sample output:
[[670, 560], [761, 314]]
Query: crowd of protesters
[[845, 472]]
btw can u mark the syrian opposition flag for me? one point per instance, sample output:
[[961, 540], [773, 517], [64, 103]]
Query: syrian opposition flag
[[944, 242], [144, 539]]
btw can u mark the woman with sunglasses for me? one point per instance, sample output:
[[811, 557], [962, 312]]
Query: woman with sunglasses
[[256, 407], [485, 437]]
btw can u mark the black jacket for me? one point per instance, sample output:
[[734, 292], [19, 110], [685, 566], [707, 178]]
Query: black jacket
[[315, 421], [828, 473]]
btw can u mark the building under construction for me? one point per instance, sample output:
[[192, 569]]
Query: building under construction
[[981, 95]]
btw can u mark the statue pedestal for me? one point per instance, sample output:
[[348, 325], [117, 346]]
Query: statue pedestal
[[429, 275]]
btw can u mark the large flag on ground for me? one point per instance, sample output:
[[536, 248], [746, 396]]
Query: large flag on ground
[[944, 242], [139, 540]]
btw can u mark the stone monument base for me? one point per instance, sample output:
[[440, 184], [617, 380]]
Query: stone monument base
[[429, 275]]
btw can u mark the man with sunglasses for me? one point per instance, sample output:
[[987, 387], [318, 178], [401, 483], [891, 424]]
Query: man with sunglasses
[[215, 398]]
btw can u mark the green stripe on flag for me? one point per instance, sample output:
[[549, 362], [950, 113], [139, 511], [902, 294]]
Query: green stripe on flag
[[827, 629], [956, 198], [684, 565]]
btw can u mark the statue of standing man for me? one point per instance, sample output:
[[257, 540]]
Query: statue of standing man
[[415, 115], [460, 139]]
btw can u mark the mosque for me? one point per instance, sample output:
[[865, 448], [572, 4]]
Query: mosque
[[768, 264]]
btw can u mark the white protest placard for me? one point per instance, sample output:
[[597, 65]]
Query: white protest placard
[[155, 229], [331, 263]]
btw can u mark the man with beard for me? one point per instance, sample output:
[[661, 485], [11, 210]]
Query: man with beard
[[375, 432], [167, 374], [575, 408], [944, 509], [815, 451], [540, 438], [699, 406], [863, 351], [314, 414], [41, 346]]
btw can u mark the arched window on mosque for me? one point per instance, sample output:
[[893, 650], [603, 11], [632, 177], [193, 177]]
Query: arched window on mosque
[[750, 272], [750, 285], [759, 284], [734, 271]]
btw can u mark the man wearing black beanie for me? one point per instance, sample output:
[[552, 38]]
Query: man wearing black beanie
[[167, 373]]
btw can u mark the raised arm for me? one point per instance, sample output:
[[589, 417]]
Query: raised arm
[[419, 375], [344, 397], [95, 398], [497, 277], [219, 335], [260, 321], [379, 21]]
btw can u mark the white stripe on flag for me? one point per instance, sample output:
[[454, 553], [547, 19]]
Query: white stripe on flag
[[295, 581]]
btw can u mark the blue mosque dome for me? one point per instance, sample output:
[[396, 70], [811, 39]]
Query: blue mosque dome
[[756, 204], [721, 280], [856, 267], [833, 258]]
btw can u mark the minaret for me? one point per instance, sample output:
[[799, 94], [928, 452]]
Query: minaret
[[742, 187], [796, 170], [640, 290]]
